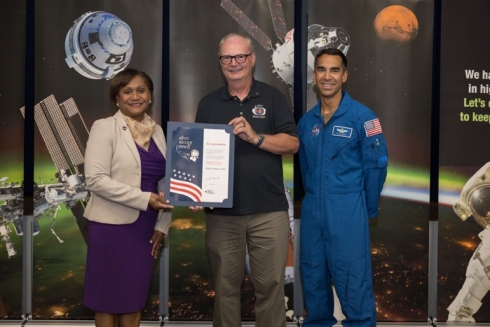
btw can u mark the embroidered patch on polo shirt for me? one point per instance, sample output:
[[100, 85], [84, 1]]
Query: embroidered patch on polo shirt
[[259, 111]]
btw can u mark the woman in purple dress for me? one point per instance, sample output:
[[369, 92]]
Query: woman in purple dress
[[129, 215]]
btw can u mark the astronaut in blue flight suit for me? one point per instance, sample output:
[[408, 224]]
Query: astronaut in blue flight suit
[[344, 159]]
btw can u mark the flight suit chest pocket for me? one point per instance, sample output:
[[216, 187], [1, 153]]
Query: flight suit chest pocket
[[337, 146]]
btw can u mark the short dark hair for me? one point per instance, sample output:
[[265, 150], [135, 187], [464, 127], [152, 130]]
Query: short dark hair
[[123, 78], [332, 52]]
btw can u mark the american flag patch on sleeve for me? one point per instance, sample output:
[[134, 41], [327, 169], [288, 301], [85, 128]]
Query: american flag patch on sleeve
[[372, 127]]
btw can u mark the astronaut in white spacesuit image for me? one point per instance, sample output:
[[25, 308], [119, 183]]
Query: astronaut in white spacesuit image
[[474, 201]]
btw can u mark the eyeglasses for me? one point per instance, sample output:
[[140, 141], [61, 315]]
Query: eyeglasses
[[239, 58]]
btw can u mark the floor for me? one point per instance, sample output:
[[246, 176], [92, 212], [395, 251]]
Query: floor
[[45, 323]]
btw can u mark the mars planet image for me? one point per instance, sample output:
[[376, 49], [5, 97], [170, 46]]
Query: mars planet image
[[396, 25]]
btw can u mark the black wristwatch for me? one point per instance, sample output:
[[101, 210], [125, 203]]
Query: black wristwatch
[[261, 139]]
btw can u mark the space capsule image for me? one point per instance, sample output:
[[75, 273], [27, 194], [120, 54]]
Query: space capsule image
[[98, 45]]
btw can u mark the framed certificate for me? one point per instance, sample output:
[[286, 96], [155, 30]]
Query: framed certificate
[[200, 165]]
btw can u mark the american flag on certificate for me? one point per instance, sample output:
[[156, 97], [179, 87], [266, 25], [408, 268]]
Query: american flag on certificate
[[372, 127], [182, 183]]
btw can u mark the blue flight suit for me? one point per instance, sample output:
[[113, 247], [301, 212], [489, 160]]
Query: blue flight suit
[[343, 166]]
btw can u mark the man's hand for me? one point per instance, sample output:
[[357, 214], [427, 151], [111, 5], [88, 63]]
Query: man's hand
[[243, 130], [197, 208]]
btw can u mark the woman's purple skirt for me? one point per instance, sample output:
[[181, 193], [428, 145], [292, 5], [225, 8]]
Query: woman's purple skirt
[[119, 262]]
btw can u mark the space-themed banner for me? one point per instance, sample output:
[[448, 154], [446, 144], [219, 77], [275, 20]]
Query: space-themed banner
[[194, 72], [464, 219], [79, 46], [12, 86], [389, 48], [388, 45]]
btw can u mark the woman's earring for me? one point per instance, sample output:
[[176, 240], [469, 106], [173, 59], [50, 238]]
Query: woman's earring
[[150, 101], [117, 104]]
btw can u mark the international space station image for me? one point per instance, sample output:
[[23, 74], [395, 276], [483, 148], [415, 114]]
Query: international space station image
[[98, 45], [319, 37], [65, 134]]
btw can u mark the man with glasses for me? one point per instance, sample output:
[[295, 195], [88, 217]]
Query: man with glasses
[[265, 130]]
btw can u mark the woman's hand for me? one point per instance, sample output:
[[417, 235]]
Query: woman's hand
[[158, 202], [156, 240]]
